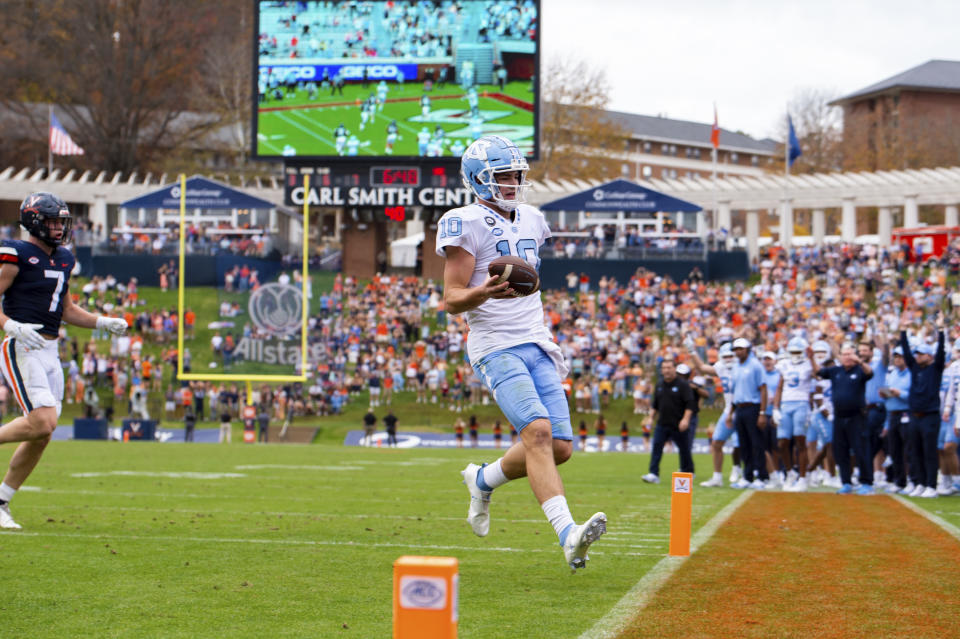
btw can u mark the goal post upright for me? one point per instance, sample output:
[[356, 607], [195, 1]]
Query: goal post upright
[[305, 307]]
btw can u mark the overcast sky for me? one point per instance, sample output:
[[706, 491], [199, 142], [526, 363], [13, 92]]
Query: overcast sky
[[678, 57]]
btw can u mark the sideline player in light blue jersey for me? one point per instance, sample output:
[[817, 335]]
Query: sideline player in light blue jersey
[[509, 346], [722, 431], [896, 392], [35, 285], [820, 432], [749, 412], [791, 410], [771, 377]]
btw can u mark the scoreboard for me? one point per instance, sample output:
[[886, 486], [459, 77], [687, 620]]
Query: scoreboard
[[387, 188]]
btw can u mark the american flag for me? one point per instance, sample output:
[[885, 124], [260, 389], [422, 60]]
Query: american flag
[[60, 141]]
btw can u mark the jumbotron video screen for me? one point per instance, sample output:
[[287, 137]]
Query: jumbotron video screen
[[394, 79]]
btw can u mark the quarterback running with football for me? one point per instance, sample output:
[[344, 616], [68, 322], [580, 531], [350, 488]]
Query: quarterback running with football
[[509, 346], [34, 283]]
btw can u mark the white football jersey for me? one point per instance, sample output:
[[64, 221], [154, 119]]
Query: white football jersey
[[479, 230], [948, 384], [797, 381], [725, 373]]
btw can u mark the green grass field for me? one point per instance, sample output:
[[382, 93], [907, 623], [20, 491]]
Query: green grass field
[[299, 540], [308, 125], [152, 540]]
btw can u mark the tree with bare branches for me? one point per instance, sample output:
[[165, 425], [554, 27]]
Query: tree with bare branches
[[818, 128], [120, 73], [574, 126]]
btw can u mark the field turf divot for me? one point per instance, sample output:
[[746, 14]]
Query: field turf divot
[[813, 565], [613, 623]]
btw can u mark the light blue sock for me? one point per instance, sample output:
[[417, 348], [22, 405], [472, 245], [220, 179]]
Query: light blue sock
[[482, 485], [491, 476]]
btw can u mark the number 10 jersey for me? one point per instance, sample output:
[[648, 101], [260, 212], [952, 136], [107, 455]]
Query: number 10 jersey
[[484, 233]]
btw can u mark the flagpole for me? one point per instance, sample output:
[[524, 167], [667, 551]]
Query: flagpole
[[49, 146], [715, 222]]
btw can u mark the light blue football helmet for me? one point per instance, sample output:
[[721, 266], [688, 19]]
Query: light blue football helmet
[[797, 347], [487, 156], [726, 352], [821, 351]]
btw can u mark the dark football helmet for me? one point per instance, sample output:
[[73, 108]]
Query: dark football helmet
[[37, 208]]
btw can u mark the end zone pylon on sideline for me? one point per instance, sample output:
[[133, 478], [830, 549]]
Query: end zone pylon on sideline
[[681, 514], [425, 597]]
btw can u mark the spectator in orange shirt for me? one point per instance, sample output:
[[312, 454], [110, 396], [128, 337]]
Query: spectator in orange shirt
[[189, 319]]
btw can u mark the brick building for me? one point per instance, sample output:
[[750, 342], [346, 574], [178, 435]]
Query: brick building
[[665, 148], [908, 121]]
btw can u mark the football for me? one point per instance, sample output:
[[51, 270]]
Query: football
[[523, 278]]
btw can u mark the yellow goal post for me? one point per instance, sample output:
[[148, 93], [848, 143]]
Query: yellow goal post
[[243, 377]]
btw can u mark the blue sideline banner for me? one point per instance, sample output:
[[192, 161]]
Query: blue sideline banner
[[448, 440]]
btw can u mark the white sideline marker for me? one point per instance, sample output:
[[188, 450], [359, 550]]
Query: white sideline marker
[[940, 521], [614, 622]]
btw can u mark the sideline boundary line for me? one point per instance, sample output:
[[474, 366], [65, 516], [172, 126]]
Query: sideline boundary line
[[951, 530], [614, 622]]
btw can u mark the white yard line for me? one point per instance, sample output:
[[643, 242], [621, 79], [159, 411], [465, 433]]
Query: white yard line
[[613, 623], [177, 539], [943, 523]]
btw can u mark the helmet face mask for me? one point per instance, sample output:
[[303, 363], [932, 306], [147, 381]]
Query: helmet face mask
[[796, 347], [37, 211], [488, 157]]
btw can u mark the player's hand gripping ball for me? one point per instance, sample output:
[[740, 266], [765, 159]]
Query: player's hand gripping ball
[[523, 278]]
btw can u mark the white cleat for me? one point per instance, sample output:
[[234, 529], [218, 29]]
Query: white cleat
[[800, 486], [714, 482], [735, 474], [6, 519], [917, 490], [479, 514], [650, 478], [580, 538], [928, 493]]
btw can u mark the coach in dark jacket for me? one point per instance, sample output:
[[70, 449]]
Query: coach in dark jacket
[[926, 373], [849, 390], [672, 410]]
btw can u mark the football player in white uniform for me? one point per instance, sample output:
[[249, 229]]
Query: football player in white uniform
[[821, 423], [34, 283], [509, 346], [723, 370], [791, 410]]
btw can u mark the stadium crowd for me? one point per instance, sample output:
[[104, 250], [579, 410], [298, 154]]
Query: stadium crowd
[[392, 335], [389, 29]]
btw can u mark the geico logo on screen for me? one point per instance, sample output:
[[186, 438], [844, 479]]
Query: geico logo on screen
[[306, 72], [373, 70]]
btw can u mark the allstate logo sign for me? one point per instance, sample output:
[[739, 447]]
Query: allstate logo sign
[[598, 195], [277, 308], [425, 593]]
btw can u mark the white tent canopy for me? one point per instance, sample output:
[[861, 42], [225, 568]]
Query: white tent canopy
[[403, 252]]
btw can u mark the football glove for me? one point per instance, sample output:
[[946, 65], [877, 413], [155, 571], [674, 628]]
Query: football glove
[[26, 334], [116, 325], [777, 415]]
